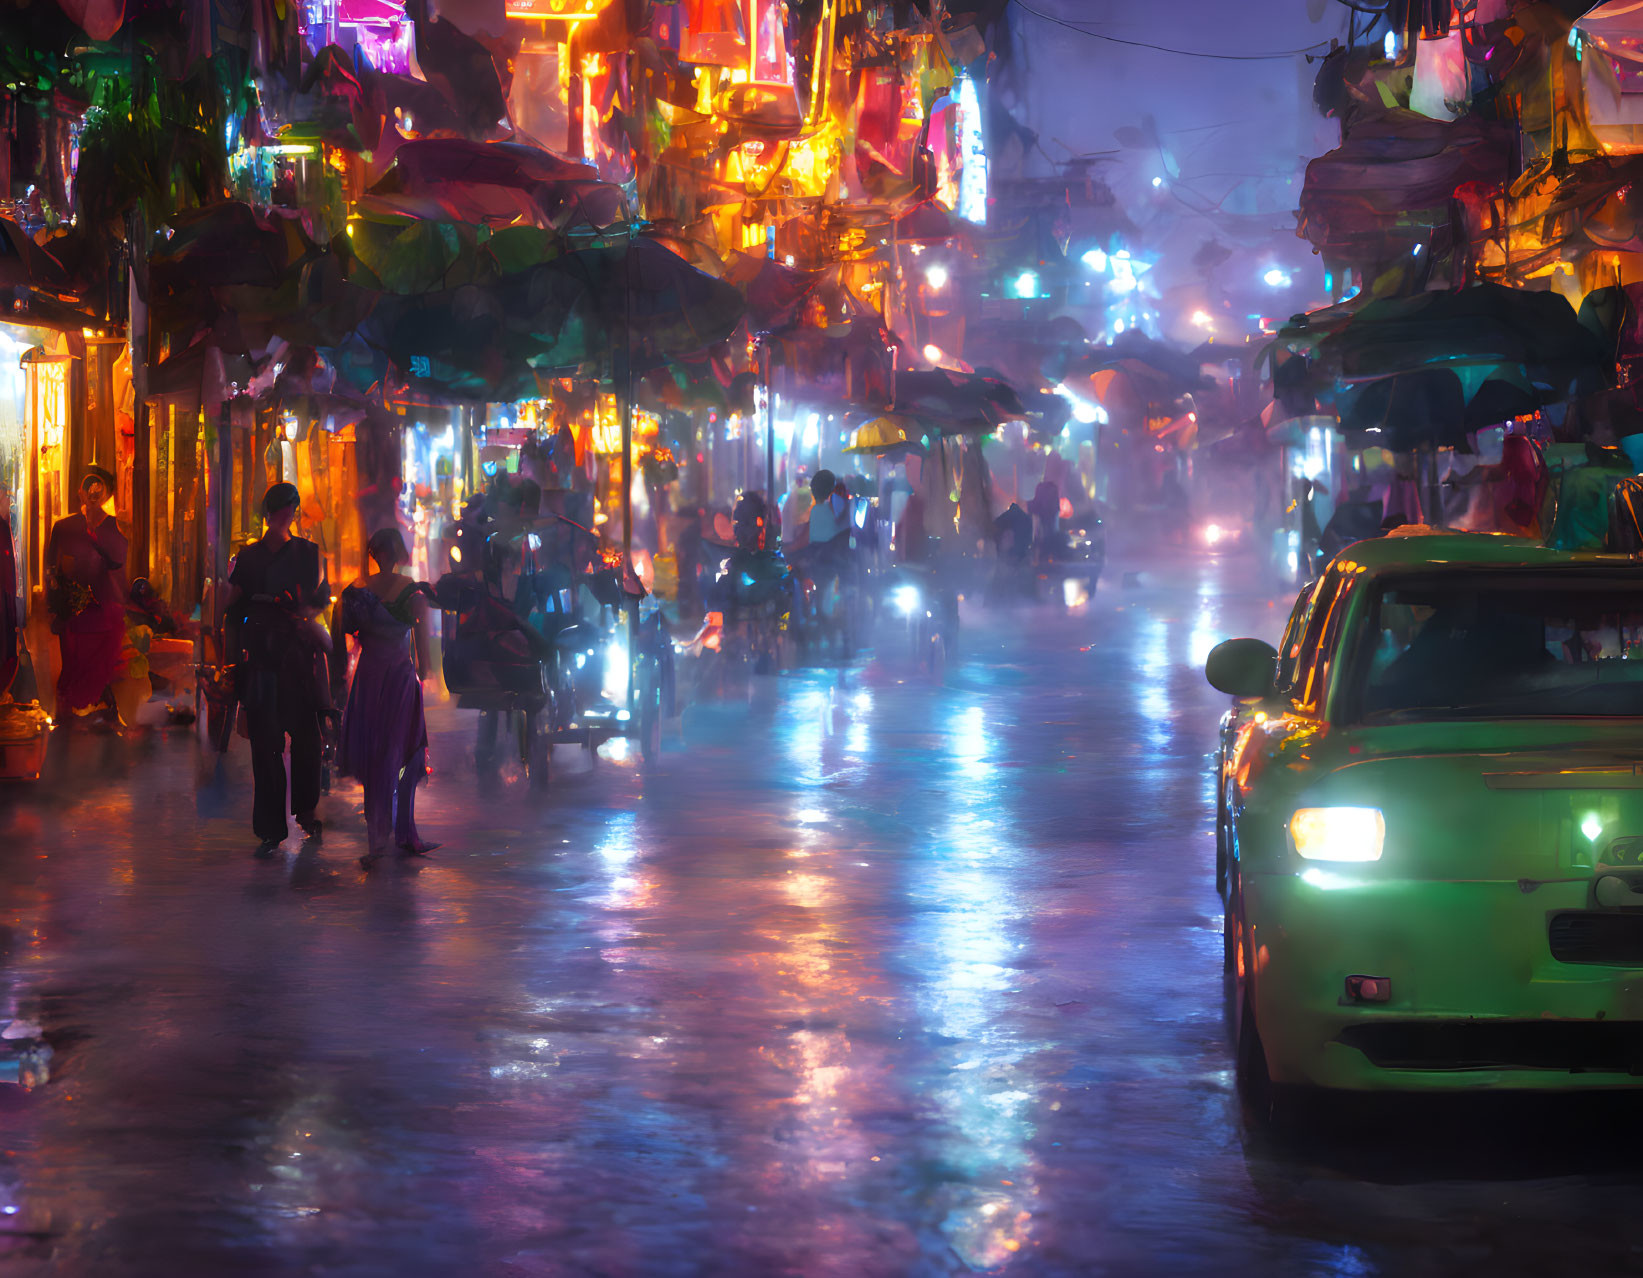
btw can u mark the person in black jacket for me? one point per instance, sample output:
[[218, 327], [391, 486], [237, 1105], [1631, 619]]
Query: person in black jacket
[[277, 588]]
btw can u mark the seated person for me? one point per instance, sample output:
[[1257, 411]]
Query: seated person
[[1457, 654], [826, 515], [754, 573], [1013, 534]]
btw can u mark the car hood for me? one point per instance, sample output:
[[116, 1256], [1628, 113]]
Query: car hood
[[1520, 799]]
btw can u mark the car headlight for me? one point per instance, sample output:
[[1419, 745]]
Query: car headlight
[[906, 600], [1338, 834]]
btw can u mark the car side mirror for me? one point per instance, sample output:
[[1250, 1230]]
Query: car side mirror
[[1242, 668]]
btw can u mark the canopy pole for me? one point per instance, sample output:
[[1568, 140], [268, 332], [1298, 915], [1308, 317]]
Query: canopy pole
[[769, 432], [632, 606], [1434, 489]]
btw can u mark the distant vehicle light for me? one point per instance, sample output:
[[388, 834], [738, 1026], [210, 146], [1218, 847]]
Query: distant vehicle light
[[1277, 277], [935, 275], [1213, 534], [1026, 284], [1338, 834], [906, 600]]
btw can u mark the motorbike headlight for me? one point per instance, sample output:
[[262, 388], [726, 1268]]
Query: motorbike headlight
[[1338, 834], [616, 670], [906, 600]]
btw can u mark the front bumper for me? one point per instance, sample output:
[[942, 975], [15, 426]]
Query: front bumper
[[1477, 1000]]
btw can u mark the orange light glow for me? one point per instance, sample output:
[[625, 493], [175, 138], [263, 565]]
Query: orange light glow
[[50, 400], [555, 10]]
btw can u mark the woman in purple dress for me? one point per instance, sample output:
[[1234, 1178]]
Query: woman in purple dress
[[384, 739]]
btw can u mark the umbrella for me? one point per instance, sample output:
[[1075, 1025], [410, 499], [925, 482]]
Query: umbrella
[[476, 177], [313, 304], [776, 294], [494, 340], [1484, 324], [640, 296], [888, 437], [225, 244], [1463, 359], [398, 254], [1169, 369], [958, 403]]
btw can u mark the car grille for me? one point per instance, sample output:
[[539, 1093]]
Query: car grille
[[1614, 939], [1576, 1046]]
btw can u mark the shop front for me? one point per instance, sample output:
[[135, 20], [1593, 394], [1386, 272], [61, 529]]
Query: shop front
[[58, 395]]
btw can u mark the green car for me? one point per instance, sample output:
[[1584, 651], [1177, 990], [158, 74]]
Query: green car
[[1431, 823]]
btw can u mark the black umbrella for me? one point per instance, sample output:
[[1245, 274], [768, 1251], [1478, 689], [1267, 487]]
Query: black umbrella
[[1483, 326], [552, 319], [639, 295], [957, 403], [1427, 369]]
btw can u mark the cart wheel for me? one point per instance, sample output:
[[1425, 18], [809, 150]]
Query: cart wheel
[[935, 653], [536, 749], [669, 681], [650, 711], [704, 678], [764, 652]]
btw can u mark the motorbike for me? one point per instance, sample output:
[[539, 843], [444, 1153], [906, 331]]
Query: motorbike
[[575, 669], [1070, 562], [920, 618], [746, 627], [828, 601], [495, 662], [620, 678]]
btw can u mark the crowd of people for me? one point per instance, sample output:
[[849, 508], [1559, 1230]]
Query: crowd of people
[[301, 701]]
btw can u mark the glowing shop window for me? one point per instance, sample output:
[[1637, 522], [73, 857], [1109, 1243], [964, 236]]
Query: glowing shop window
[[51, 400]]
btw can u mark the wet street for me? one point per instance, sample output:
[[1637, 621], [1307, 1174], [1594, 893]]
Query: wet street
[[880, 978]]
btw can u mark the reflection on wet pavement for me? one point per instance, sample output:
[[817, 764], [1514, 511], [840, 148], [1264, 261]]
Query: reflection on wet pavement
[[869, 977]]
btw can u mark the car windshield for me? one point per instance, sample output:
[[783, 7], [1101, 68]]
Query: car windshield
[[1509, 645]]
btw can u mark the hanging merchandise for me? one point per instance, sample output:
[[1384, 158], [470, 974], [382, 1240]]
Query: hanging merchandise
[[772, 59], [715, 33], [1441, 87]]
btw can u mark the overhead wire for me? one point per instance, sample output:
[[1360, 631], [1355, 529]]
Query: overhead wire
[[1159, 48]]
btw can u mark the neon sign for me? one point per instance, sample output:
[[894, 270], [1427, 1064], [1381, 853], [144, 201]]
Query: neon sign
[[972, 151]]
